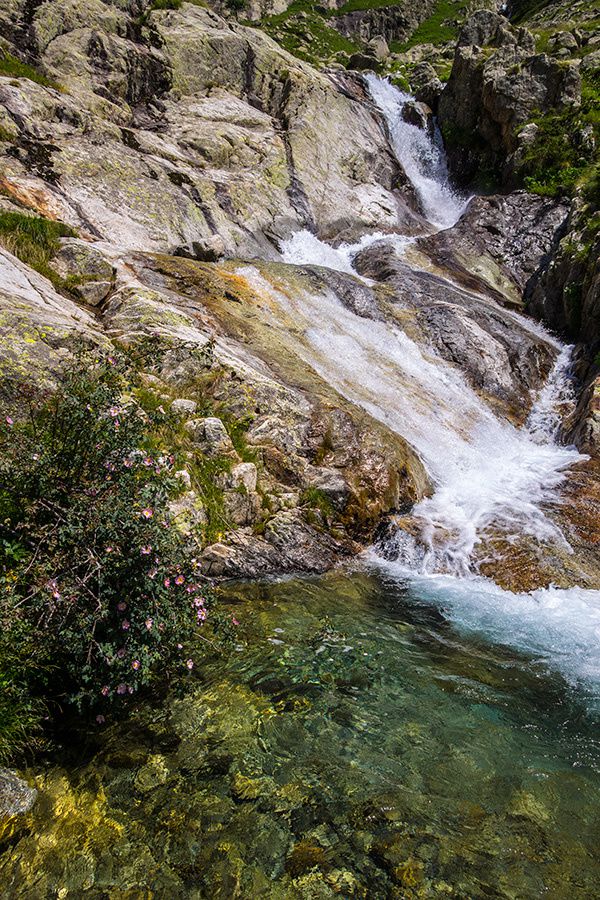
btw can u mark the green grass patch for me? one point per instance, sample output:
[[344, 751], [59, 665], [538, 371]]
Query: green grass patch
[[313, 498], [440, 27], [12, 67], [559, 162], [307, 36], [34, 240], [359, 5]]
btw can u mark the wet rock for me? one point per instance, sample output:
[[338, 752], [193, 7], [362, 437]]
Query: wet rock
[[426, 85], [517, 231], [304, 857], [287, 544], [331, 483], [585, 434], [419, 115], [245, 788], [152, 775]]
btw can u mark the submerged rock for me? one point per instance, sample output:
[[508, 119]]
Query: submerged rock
[[16, 797]]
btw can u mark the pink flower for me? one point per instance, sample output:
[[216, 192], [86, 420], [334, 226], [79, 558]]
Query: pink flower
[[117, 423], [122, 606], [146, 551], [180, 646], [180, 579], [127, 463], [100, 720], [198, 602], [190, 664], [147, 513], [105, 691], [149, 623], [114, 411], [9, 421], [148, 461], [121, 652], [122, 689], [125, 625], [201, 615], [135, 664], [234, 620], [167, 582], [109, 549], [111, 360]]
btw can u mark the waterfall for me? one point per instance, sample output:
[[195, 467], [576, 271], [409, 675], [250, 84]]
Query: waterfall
[[490, 478], [421, 156]]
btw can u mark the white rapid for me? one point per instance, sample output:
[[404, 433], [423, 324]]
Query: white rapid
[[421, 156], [489, 477], [305, 249], [487, 473]]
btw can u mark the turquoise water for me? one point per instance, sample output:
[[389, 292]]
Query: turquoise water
[[353, 744]]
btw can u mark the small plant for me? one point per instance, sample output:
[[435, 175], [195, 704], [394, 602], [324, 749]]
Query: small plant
[[33, 239], [314, 498], [106, 589]]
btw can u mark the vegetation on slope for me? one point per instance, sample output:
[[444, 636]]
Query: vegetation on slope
[[99, 590]]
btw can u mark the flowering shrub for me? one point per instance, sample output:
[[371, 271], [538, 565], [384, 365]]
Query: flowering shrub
[[109, 592]]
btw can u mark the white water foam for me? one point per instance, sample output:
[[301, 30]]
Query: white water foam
[[421, 156], [559, 628], [556, 401], [304, 249]]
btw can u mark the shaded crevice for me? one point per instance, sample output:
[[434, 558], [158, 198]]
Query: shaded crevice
[[295, 190]]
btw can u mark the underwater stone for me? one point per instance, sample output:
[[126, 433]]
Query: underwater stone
[[16, 797], [154, 773]]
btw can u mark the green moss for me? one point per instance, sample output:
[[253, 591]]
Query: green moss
[[34, 240], [13, 67], [358, 5]]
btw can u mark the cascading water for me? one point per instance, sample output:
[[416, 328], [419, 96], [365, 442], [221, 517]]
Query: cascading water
[[486, 471], [490, 478], [422, 157]]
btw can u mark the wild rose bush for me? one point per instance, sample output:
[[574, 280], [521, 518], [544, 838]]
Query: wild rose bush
[[92, 567]]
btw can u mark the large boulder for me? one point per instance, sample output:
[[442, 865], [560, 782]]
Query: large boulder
[[497, 82]]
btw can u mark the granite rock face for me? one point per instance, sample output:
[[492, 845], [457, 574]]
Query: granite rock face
[[497, 82]]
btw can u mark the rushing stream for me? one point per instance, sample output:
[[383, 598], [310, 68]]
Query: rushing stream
[[404, 729]]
